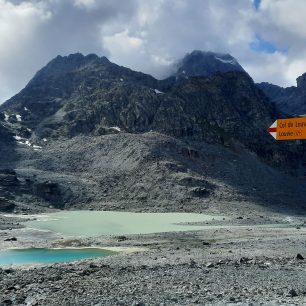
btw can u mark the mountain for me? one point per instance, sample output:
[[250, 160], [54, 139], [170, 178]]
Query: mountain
[[88, 133], [79, 95], [291, 100]]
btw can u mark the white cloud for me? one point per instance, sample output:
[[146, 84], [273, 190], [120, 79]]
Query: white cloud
[[283, 23], [168, 29], [32, 32], [148, 35], [89, 4], [18, 26]]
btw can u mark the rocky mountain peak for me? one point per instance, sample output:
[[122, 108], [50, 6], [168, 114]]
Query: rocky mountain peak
[[206, 63], [301, 82]]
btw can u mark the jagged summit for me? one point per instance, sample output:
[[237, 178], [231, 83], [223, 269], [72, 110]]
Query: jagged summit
[[205, 63]]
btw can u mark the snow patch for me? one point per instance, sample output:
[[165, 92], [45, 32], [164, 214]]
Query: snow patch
[[45, 139], [116, 128], [17, 137], [158, 91], [26, 109], [29, 130], [6, 117], [26, 142], [121, 80], [18, 118], [231, 61]]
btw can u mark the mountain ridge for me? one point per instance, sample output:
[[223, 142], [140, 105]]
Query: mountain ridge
[[291, 100]]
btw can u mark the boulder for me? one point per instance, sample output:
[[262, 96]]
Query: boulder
[[299, 256], [200, 192]]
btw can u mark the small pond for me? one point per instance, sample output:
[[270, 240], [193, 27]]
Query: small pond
[[44, 256]]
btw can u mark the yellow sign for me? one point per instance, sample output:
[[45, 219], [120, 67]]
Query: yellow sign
[[288, 129]]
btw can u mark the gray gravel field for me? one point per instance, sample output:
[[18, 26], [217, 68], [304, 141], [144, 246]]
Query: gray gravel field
[[247, 265]]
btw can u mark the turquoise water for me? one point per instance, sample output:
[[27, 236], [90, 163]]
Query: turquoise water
[[43, 256], [97, 223]]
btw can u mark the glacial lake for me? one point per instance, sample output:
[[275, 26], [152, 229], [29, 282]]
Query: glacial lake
[[97, 223], [45, 256]]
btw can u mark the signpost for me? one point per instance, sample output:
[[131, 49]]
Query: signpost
[[288, 129]]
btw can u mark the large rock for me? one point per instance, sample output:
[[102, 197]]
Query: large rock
[[200, 192]]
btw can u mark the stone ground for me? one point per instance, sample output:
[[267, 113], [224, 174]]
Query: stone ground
[[247, 265]]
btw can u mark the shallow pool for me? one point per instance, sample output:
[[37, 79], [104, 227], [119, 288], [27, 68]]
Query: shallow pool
[[42, 255], [96, 223]]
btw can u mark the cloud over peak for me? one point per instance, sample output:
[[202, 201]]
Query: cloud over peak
[[267, 38]]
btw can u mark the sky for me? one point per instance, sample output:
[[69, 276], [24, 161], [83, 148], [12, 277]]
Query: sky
[[267, 37]]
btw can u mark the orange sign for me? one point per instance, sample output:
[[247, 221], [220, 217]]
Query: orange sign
[[288, 129]]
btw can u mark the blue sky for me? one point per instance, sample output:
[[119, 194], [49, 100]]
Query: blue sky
[[259, 44], [262, 46], [257, 4]]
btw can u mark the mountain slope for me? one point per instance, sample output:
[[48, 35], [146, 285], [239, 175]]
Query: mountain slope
[[149, 172]]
